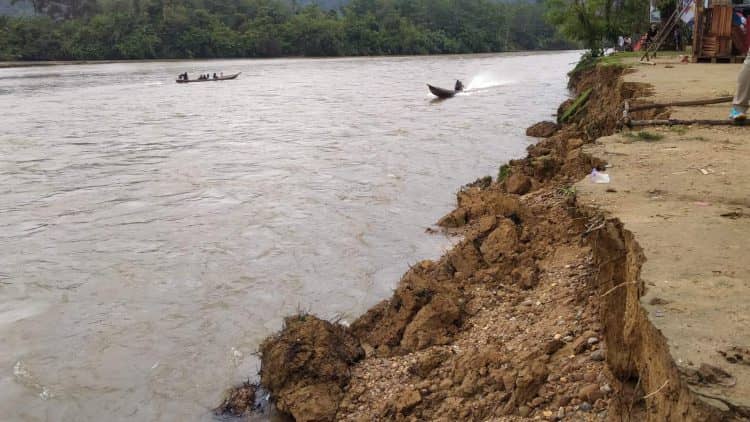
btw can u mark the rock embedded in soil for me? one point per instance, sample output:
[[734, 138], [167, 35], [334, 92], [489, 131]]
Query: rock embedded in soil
[[526, 277], [524, 411], [580, 345], [427, 362], [574, 143], [407, 401], [529, 379], [433, 324], [501, 242], [552, 346], [543, 129], [597, 355], [518, 184], [590, 393]]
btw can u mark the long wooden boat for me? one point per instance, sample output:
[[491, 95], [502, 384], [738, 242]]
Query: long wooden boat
[[441, 92], [223, 78]]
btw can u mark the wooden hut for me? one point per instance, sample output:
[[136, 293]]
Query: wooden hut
[[714, 38]]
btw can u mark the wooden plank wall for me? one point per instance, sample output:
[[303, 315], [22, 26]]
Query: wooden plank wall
[[717, 33]]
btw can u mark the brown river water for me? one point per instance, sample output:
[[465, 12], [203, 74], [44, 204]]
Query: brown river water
[[153, 233]]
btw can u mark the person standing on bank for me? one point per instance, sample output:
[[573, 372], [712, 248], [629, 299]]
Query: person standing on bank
[[742, 96]]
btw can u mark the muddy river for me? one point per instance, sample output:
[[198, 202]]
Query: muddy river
[[153, 233]]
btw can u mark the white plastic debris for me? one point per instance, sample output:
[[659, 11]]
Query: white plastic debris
[[598, 177]]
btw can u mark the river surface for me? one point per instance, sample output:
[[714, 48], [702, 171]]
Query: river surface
[[153, 233]]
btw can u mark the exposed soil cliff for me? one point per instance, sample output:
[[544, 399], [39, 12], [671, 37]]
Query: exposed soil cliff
[[519, 320]]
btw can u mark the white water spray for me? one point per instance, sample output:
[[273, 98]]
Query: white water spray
[[485, 80]]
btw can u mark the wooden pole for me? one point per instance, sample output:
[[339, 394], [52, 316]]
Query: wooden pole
[[678, 122], [681, 103]]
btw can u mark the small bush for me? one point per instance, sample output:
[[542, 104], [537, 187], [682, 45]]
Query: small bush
[[503, 173], [567, 191], [679, 129]]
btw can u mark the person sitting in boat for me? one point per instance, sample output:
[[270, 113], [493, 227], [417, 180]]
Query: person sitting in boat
[[215, 75], [459, 86]]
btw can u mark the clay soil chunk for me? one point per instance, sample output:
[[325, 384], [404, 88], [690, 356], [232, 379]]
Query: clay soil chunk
[[542, 129]]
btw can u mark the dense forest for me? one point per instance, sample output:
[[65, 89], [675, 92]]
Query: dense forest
[[147, 29]]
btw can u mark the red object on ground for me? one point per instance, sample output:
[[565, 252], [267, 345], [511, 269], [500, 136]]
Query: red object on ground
[[639, 43]]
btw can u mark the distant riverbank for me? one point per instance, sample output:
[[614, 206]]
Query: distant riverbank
[[235, 29], [34, 63], [43, 63]]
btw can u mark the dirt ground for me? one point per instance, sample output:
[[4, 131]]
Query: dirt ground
[[674, 81], [684, 193]]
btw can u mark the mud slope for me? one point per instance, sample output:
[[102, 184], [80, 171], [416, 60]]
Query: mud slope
[[517, 321]]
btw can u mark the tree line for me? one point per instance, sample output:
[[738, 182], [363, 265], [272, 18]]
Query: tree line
[[150, 29], [598, 23]]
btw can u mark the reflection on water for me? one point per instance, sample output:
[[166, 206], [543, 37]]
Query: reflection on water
[[153, 233]]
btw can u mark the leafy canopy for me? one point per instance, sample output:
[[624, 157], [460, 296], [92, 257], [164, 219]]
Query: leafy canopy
[[146, 29]]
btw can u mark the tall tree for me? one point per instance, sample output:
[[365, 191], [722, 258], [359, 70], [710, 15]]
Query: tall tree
[[594, 22]]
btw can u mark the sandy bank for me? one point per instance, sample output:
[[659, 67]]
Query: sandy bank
[[538, 313]]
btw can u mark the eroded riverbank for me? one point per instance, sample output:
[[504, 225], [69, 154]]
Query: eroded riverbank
[[145, 223], [534, 314], [676, 207]]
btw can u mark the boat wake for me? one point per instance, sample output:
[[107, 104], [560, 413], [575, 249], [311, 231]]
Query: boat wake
[[485, 80]]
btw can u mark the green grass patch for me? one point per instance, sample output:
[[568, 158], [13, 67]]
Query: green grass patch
[[577, 104], [567, 191], [503, 173], [623, 56], [587, 62], [618, 58], [678, 129], [644, 136]]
